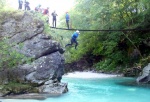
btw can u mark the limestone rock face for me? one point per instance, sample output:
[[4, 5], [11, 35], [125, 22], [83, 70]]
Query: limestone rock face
[[27, 36]]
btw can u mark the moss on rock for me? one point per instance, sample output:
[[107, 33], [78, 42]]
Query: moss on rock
[[18, 88]]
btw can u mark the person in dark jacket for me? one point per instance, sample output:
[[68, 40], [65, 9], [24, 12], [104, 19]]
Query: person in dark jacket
[[54, 18], [27, 7], [20, 4], [67, 19], [74, 39]]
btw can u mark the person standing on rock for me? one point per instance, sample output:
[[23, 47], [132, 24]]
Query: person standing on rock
[[54, 14], [74, 39], [20, 4], [27, 7], [67, 19]]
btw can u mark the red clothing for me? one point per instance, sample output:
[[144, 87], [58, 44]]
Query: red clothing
[[46, 12]]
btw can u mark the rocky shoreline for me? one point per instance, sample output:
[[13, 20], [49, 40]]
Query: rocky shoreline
[[35, 96]]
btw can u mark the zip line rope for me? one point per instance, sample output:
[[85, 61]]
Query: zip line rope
[[103, 29], [120, 30]]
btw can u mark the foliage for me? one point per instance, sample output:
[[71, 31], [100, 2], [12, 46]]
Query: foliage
[[9, 57], [17, 88], [2, 3], [144, 61], [106, 65], [115, 47]]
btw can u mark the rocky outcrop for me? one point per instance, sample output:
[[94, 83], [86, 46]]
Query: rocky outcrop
[[132, 72], [25, 34], [145, 77]]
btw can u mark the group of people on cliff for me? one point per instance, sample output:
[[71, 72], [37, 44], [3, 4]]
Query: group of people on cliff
[[26, 4], [54, 15], [45, 12]]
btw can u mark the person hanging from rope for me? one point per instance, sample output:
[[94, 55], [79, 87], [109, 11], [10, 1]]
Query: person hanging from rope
[[20, 4], [74, 39], [67, 19], [54, 19]]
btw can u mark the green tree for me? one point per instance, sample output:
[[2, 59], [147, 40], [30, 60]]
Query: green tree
[[2, 3], [9, 57], [115, 48]]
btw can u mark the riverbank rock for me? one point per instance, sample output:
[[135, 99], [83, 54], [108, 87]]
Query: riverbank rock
[[145, 77], [132, 72], [43, 74]]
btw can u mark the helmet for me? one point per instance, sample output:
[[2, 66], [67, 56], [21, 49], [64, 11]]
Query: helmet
[[77, 32]]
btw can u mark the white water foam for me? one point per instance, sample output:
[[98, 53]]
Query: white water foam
[[89, 75]]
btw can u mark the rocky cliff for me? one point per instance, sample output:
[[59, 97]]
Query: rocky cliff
[[45, 71]]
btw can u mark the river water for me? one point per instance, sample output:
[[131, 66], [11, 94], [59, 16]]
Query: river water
[[91, 87]]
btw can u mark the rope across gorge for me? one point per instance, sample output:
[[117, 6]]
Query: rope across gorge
[[119, 30], [103, 30]]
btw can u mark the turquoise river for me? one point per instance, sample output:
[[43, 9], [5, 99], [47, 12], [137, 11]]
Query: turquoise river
[[116, 89]]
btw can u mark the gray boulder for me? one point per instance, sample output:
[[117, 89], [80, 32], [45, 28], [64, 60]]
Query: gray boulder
[[46, 68], [145, 77], [26, 35], [38, 46]]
